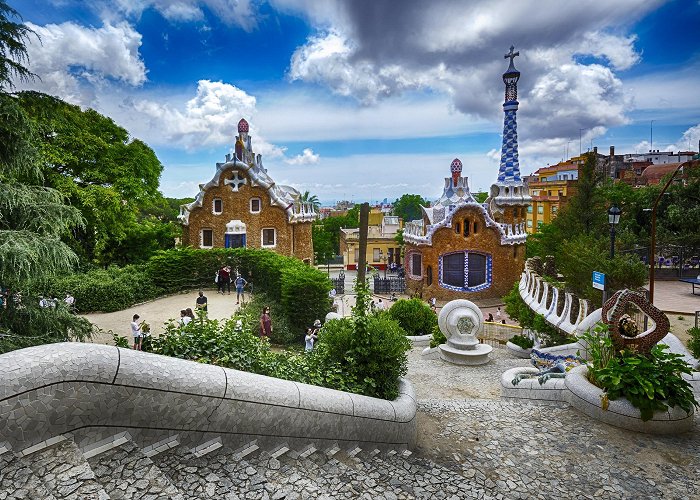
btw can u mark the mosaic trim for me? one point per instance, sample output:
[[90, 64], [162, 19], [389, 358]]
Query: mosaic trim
[[409, 265], [509, 170], [483, 286]]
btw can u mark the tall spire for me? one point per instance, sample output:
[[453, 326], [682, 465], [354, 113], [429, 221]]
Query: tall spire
[[509, 169]]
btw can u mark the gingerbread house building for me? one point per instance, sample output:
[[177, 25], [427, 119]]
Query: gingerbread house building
[[241, 206], [465, 249]]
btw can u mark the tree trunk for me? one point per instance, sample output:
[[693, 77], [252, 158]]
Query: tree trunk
[[362, 257]]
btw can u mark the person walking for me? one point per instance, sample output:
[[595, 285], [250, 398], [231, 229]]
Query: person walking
[[201, 304], [240, 283], [265, 323], [225, 280], [498, 313], [136, 332], [70, 302]]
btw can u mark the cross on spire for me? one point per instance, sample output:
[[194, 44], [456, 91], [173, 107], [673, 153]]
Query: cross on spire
[[512, 55]]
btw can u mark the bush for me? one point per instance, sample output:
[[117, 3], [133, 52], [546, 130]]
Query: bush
[[651, 383], [694, 342], [414, 316], [282, 332], [105, 290], [517, 309], [522, 341], [304, 293], [437, 337]]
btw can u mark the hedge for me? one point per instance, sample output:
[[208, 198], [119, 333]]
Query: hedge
[[414, 316], [301, 290]]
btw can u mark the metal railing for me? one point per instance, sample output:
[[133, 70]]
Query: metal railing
[[389, 285]]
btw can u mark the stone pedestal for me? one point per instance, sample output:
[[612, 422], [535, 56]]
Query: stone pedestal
[[459, 321]]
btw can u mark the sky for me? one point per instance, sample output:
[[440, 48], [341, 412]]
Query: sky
[[370, 99]]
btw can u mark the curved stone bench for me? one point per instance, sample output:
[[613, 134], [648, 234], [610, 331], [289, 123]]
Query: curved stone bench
[[518, 351], [530, 389], [585, 397], [50, 390], [419, 340]]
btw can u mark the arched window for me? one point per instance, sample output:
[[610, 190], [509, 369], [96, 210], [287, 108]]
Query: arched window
[[476, 227], [465, 271], [467, 222], [429, 275]]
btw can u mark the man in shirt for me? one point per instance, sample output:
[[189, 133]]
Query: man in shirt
[[201, 302], [240, 283]]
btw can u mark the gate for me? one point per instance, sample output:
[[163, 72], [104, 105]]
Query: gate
[[389, 285]]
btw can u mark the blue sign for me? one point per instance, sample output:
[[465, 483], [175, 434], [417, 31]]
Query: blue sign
[[598, 280]]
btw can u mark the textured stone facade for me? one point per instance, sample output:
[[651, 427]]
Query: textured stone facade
[[241, 206], [290, 239], [507, 261]]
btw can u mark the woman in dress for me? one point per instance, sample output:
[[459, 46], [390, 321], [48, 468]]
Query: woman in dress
[[265, 323]]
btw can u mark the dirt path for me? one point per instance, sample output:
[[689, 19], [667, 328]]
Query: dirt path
[[157, 312]]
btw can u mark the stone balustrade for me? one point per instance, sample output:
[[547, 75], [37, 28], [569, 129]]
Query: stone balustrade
[[50, 390]]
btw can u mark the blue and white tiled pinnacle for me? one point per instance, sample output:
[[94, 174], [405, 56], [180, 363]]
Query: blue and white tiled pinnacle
[[509, 170]]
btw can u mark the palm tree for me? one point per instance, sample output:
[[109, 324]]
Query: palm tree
[[313, 200]]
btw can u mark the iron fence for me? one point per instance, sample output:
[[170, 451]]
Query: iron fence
[[389, 285]]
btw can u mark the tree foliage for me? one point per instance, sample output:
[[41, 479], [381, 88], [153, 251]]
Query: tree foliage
[[109, 176], [33, 217], [408, 207]]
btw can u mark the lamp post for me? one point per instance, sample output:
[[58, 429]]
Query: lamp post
[[652, 247], [613, 218]]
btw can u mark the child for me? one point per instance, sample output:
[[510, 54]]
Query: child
[[136, 332]]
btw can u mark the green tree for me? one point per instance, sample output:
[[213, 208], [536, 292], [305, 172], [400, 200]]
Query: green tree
[[306, 197], [323, 243], [408, 207], [13, 54], [109, 176], [32, 217], [480, 197], [584, 212]]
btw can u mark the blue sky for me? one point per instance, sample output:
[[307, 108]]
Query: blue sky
[[363, 100]]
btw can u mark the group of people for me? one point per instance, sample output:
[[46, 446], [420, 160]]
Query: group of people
[[491, 319], [223, 279], [312, 336]]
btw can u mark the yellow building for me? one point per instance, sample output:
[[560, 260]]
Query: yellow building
[[382, 248], [550, 187]]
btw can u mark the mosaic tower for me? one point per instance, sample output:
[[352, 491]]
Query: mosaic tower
[[509, 190]]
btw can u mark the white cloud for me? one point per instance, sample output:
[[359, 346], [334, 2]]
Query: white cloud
[[687, 142], [234, 12], [73, 60], [308, 157]]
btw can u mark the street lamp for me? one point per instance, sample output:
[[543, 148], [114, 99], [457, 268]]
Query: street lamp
[[613, 219]]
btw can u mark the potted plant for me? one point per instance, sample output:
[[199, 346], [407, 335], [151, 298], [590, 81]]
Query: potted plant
[[520, 345]]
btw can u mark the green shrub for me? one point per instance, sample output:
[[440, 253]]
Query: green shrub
[[651, 383], [414, 316], [522, 341], [694, 342], [517, 309], [304, 295], [282, 332], [438, 337]]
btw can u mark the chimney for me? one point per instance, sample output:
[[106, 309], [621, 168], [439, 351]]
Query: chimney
[[612, 151]]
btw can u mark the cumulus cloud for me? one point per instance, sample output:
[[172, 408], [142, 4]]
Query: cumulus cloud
[[67, 55], [373, 50], [687, 142], [307, 157], [235, 12]]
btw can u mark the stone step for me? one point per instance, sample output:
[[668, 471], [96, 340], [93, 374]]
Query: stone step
[[65, 472], [18, 480], [125, 472]]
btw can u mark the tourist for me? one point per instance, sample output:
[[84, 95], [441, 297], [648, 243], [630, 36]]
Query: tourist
[[265, 323], [44, 303], [332, 294], [498, 313], [190, 313], [184, 318], [70, 302], [224, 280], [309, 339], [201, 304], [316, 326], [372, 306], [503, 322], [490, 318], [240, 283], [136, 333], [393, 297], [380, 305]]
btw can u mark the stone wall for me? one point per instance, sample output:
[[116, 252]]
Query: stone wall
[[293, 240], [507, 260], [50, 390]]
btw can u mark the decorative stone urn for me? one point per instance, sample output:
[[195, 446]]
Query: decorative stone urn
[[460, 321]]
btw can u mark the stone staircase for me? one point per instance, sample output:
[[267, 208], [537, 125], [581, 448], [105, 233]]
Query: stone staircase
[[118, 468]]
